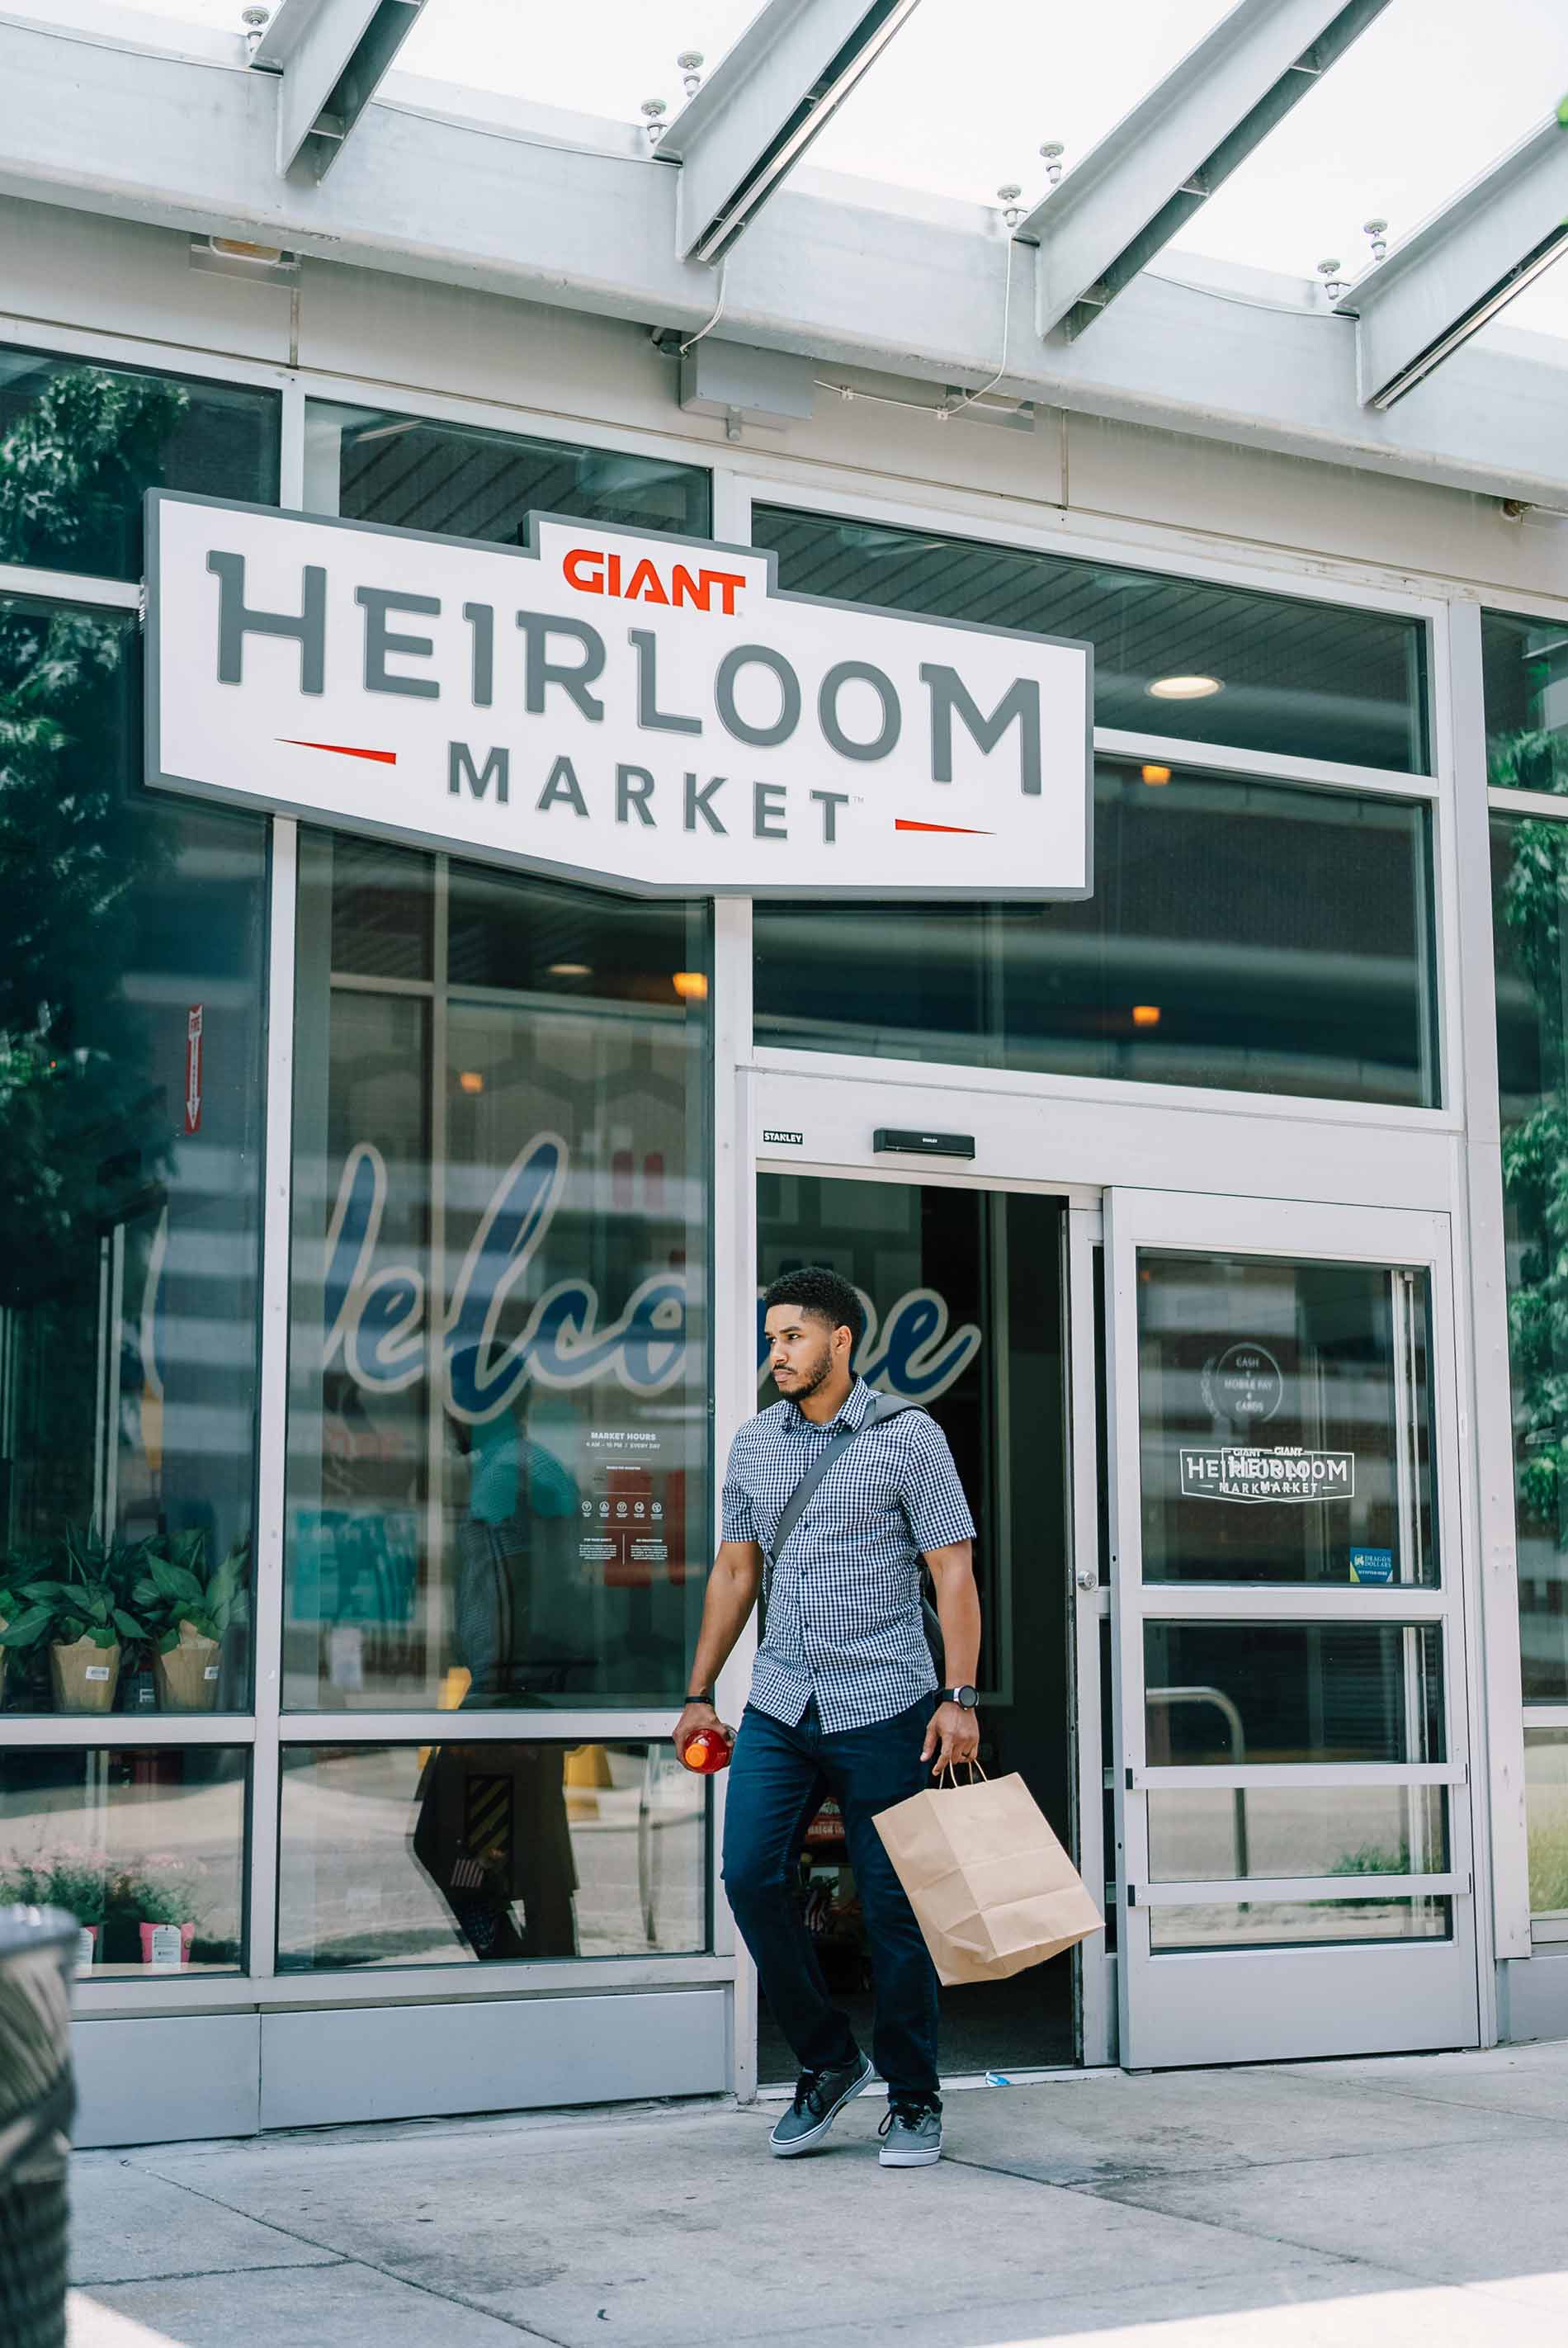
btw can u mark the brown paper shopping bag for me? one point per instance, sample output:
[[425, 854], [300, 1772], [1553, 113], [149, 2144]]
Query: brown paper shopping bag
[[991, 1888]]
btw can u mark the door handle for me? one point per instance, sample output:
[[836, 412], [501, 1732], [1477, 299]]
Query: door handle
[[1087, 1578]]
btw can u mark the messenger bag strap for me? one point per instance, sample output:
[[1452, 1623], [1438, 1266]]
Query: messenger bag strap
[[879, 1409]]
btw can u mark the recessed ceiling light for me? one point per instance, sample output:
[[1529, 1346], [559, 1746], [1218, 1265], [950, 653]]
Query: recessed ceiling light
[[691, 986], [571, 970], [471, 1081], [1155, 775], [1185, 688], [1146, 1015]]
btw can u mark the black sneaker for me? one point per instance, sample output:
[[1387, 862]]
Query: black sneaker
[[911, 2133], [820, 2097]]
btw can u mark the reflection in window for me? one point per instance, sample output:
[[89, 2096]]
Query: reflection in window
[[79, 444], [1270, 1396], [1182, 657], [514, 1509], [1295, 1923], [477, 1853], [1530, 890], [1250, 935], [465, 482], [142, 1845], [1225, 1694], [131, 937], [1284, 1830], [1546, 1807], [1525, 665]]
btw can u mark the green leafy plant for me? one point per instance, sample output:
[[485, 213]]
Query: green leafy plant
[[24, 1617], [84, 1601], [71, 1878], [174, 1587], [162, 1888]]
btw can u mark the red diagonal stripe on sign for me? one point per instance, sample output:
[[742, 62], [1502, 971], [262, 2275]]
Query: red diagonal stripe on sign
[[901, 823], [343, 750]]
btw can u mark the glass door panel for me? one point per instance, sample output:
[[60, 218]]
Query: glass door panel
[[1292, 1812]]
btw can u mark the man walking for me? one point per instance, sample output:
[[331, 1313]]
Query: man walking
[[844, 1696]]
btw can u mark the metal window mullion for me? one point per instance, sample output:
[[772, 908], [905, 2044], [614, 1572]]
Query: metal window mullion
[[1234, 763], [109, 1732], [1220, 1776], [1208, 1602], [436, 1277], [1095, 1984], [583, 1725], [1259, 1890], [70, 587], [272, 1397]]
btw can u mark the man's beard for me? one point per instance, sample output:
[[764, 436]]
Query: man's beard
[[814, 1379]]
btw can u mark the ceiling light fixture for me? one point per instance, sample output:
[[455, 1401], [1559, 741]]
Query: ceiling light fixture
[[471, 1081], [691, 986], [571, 970], [1146, 1015], [1155, 775], [1185, 688]]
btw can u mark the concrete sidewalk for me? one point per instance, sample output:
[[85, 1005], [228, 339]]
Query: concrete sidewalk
[[1419, 2203]]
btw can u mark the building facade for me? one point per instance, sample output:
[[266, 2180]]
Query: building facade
[[1217, 1216]]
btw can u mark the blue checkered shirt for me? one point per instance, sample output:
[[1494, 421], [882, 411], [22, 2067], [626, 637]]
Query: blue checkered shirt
[[844, 1622]]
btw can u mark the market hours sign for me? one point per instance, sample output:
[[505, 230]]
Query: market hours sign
[[612, 705]]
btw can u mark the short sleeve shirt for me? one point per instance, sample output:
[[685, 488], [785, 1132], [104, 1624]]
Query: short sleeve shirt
[[843, 1615]]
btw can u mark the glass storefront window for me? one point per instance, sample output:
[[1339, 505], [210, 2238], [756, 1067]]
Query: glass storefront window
[[1546, 1812], [463, 1853], [373, 465], [1252, 935], [142, 1844], [79, 443], [1530, 871], [1294, 1923], [1182, 657], [132, 932], [1270, 1412], [498, 1451], [1282, 1830], [1525, 665], [1223, 1695]]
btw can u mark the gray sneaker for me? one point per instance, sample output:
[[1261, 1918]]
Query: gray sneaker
[[820, 2097], [911, 2133]]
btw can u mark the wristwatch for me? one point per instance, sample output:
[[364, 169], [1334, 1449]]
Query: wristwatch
[[966, 1697], [702, 1695]]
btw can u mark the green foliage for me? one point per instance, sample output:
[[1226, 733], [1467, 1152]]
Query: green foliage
[[23, 1618], [163, 1889], [85, 1600], [174, 1587], [1532, 902], [74, 1880], [1369, 1860], [73, 463]]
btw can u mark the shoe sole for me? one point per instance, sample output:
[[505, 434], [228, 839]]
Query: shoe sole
[[800, 2144], [886, 2159]]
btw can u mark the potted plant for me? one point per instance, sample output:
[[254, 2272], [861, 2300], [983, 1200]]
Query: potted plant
[[189, 1613], [164, 1892], [87, 1622]]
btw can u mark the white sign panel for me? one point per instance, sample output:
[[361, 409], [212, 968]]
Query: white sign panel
[[611, 704]]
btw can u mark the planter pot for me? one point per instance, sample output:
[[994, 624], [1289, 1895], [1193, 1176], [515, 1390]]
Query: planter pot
[[167, 1947], [84, 1676], [188, 1674], [87, 1947]]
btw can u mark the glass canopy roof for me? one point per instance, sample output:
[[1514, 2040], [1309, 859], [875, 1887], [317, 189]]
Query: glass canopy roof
[[968, 91]]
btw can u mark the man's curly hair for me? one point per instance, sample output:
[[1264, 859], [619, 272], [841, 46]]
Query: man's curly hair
[[825, 1294]]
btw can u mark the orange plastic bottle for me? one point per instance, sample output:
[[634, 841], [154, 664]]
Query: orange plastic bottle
[[706, 1752]]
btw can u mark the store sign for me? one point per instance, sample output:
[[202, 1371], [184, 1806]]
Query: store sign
[[1244, 1472], [612, 705]]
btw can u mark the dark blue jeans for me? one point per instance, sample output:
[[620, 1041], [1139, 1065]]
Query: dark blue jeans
[[776, 1781]]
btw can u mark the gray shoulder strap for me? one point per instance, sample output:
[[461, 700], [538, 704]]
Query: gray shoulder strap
[[881, 1408]]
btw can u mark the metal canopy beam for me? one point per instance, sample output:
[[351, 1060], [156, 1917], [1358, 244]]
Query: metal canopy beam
[[1461, 267], [187, 143], [1134, 191], [762, 106], [330, 54]]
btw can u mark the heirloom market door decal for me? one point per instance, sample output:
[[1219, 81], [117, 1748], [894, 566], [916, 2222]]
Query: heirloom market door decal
[[611, 706]]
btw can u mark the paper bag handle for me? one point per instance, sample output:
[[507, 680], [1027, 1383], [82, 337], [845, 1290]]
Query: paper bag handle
[[951, 1771]]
